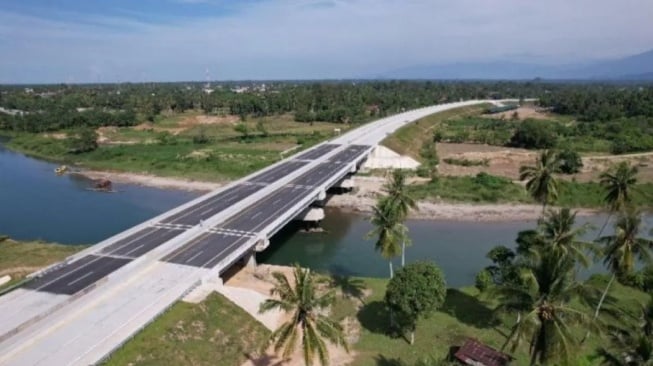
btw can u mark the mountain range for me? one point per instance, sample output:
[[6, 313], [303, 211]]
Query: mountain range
[[637, 67]]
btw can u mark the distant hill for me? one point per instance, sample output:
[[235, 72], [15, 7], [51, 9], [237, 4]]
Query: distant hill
[[636, 67]]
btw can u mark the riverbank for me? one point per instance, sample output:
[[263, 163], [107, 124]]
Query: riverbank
[[154, 181], [361, 200]]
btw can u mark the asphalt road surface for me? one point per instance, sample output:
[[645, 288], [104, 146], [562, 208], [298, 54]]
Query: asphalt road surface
[[141, 242], [211, 206], [209, 249], [350, 153], [77, 275], [278, 172], [317, 152]]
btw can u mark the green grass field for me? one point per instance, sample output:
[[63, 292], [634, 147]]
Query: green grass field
[[224, 155], [465, 313]]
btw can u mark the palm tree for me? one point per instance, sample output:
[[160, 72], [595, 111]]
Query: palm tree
[[546, 264], [543, 294], [618, 183], [541, 184], [622, 249], [631, 345], [557, 229], [400, 199], [388, 230], [308, 321]]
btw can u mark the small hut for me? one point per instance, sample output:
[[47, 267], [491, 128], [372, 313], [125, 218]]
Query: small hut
[[476, 353]]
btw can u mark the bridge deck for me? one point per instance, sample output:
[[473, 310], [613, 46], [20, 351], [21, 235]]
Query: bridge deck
[[84, 331]]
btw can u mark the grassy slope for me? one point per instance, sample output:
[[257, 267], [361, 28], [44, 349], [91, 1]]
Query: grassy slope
[[409, 139], [213, 332]]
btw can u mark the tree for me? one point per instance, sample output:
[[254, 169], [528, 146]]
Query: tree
[[558, 231], [547, 284], [400, 202], [618, 183], [308, 323], [534, 134], [632, 344], [546, 264], [84, 141], [388, 230], [415, 292], [541, 184], [622, 249], [570, 162]]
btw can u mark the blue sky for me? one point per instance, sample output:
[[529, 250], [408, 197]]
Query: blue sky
[[168, 40]]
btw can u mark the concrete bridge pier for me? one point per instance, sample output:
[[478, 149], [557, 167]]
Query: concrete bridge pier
[[249, 260]]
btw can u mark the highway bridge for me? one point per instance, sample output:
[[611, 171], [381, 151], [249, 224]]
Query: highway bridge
[[79, 311]]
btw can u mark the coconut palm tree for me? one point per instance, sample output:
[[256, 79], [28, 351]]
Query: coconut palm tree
[[631, 345], [621, 250], [541, 184], [560, 233], [308, 323], [388, 230], [618, 183], [543, 294], [400, 199]]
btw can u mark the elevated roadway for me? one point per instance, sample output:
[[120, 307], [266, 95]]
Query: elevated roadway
[[79, 311]]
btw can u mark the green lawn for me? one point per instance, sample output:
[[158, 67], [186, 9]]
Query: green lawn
[[213, 332]]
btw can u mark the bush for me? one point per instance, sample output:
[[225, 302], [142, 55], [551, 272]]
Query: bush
[[534, 134], [570, 162], [423, 171], [200, 138], [466, 162], [483, 280], [84, 141]]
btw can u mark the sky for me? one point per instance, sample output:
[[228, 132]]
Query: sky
[[74, 41]]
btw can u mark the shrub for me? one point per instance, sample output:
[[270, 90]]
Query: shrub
[[84, 141], [534, 134], [466, 162], [483, 280], [570, 162]]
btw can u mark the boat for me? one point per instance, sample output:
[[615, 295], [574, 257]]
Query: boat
[[61, 170]]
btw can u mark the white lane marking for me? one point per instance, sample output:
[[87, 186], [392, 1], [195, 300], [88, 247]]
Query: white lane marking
[[276, 201], [195, 256], [79, 278], [255, 215], [133, 250]]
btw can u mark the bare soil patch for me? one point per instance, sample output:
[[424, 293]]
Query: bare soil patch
[[506, 161], [502, 161], [260, 279], [523, 112]]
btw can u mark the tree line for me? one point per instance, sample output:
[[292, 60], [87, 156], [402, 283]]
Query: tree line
[[48, 108]]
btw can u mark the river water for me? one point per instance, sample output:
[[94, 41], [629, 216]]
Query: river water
[[37, 204]]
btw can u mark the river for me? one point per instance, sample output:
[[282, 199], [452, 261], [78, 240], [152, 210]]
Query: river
[[37, 204]]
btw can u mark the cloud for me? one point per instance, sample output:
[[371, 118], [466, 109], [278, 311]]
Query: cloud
[[317, 38]]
